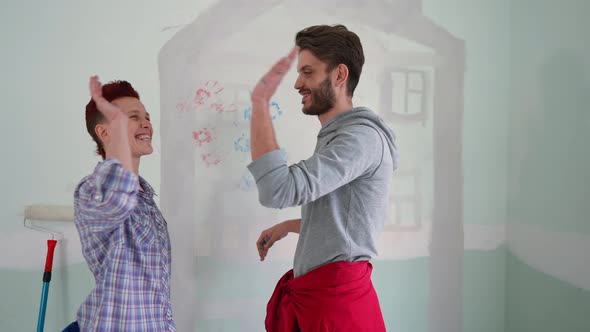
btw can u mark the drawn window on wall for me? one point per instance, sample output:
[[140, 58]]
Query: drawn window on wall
[[405, 207], [404, 94], [405, 100]]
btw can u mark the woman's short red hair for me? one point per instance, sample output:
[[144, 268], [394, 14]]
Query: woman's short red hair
[[110, 91]]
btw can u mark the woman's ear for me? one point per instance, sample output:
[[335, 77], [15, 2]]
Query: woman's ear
[[101, 130]]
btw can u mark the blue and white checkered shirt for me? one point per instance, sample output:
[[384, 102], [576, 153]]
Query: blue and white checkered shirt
[[126, 244]]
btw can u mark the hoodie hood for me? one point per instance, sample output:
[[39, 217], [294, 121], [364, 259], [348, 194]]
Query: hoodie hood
[[362, 116]]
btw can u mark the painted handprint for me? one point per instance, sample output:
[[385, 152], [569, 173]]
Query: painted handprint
[[205, 92], [204, 135], [210, 159], [273, 107], [242, 144], [275, 110]]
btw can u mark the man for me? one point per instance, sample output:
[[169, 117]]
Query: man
[[124, 236], [343, 188]]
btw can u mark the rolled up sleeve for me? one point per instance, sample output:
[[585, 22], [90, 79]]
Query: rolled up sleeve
[[107, 197]]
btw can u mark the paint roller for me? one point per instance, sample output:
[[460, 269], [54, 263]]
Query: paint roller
[[47, 213]]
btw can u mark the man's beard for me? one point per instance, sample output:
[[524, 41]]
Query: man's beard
[[322, 99]]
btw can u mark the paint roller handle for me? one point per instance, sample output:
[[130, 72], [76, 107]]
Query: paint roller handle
[[49, 260]]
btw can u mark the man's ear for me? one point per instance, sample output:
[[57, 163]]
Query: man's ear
[[341, 75]]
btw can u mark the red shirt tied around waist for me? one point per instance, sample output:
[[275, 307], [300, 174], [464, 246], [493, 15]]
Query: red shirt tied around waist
[[334, 297]]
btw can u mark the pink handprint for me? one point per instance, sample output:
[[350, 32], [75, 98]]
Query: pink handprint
[[203, 94], [218, 107], [210, 159], [203, 136], [182, 106]]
